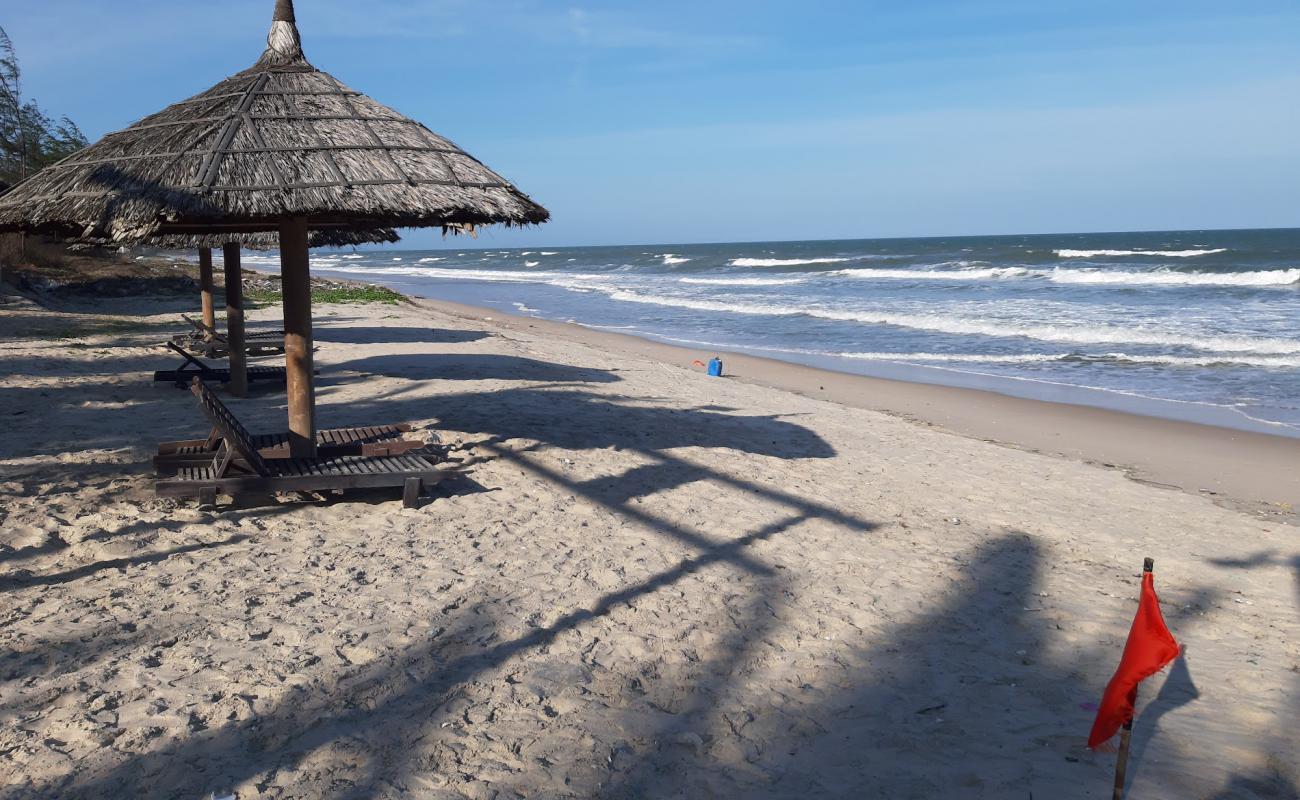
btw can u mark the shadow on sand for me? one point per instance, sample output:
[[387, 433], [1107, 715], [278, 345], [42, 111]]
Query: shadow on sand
[[356, 334]]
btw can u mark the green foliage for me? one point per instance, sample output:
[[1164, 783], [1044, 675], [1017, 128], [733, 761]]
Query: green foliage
[[328, 294], [29, 138], [355, 294]]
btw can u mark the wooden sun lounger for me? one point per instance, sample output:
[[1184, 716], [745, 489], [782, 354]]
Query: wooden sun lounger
[[213, 344], [370, 440], [201, 330], [193, 368], [238, 466]]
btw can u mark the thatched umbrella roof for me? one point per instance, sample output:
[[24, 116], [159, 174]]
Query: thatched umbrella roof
[[268, 240], [281, 139]]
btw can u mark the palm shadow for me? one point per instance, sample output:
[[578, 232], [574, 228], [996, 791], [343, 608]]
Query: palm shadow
[[473, 367], [357, 334], [576, 420], [920, 685], [1177, 691], [25, 579], [1268, 781], [402, 698], [408, 693]]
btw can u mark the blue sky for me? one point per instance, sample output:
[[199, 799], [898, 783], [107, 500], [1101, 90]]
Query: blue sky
[[702, 121]]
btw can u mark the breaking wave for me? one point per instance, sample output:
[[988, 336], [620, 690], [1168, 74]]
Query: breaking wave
[[743, 281], [1103, 358], [1162, 277], [784, 262], [1115, 253], [1281, 277], [1080, 334], [936, 275]]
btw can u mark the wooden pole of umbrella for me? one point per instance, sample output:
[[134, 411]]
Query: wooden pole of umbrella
[[235, 320], [205, 290], [295, 282]]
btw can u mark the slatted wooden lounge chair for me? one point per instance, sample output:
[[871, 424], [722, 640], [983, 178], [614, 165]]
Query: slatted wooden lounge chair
[[192, 368], [370, 440], [213, 344], [238, 467]]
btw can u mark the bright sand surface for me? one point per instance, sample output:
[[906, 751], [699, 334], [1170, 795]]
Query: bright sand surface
[[645, 583]]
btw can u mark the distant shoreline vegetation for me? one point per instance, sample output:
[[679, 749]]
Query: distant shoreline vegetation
[[30, 138]]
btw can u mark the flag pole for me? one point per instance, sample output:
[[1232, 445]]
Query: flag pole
[[1121, 764]]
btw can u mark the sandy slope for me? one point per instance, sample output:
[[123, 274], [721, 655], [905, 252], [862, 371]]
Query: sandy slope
[[648, 584]]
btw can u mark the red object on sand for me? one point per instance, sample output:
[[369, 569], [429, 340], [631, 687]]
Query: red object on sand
[[1150, 647]]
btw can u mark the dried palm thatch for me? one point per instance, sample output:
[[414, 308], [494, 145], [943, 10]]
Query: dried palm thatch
[[281, 139], [332, 237]]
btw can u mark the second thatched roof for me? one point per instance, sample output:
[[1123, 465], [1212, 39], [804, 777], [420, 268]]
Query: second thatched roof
[[280, 139]]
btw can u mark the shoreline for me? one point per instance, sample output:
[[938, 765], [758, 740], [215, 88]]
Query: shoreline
[[1129, 401], [1246, 470]]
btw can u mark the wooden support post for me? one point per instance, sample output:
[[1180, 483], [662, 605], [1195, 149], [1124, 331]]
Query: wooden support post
[[295, 279], [235, 320], [205, 288]]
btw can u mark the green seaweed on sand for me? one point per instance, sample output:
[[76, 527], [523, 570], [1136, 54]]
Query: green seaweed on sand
[[329, 294]]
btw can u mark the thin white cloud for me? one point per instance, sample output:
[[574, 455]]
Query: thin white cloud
[[606, 30]]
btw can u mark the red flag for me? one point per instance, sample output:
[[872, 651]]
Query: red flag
[[1150, 646]]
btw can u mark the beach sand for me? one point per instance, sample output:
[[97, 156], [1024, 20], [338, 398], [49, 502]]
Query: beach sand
[[645, 582]]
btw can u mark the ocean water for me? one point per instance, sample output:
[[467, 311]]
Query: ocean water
[[1200, 325]]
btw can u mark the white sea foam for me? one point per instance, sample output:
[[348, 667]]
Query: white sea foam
[[1162, 277], [1038, 358], [963, 326], [784, 262], [743, 281], [1164, 253], [549, 253], [578, 281], [671, 259], [1009, 358], [502, 275], [353, 256], [935, 275], [531, 263], [428, 260], [940, 323], [967, 358], [1281, 277]]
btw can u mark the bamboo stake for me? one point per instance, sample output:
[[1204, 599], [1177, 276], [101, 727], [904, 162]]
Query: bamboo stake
[[1121, 765], [1126, 733]]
